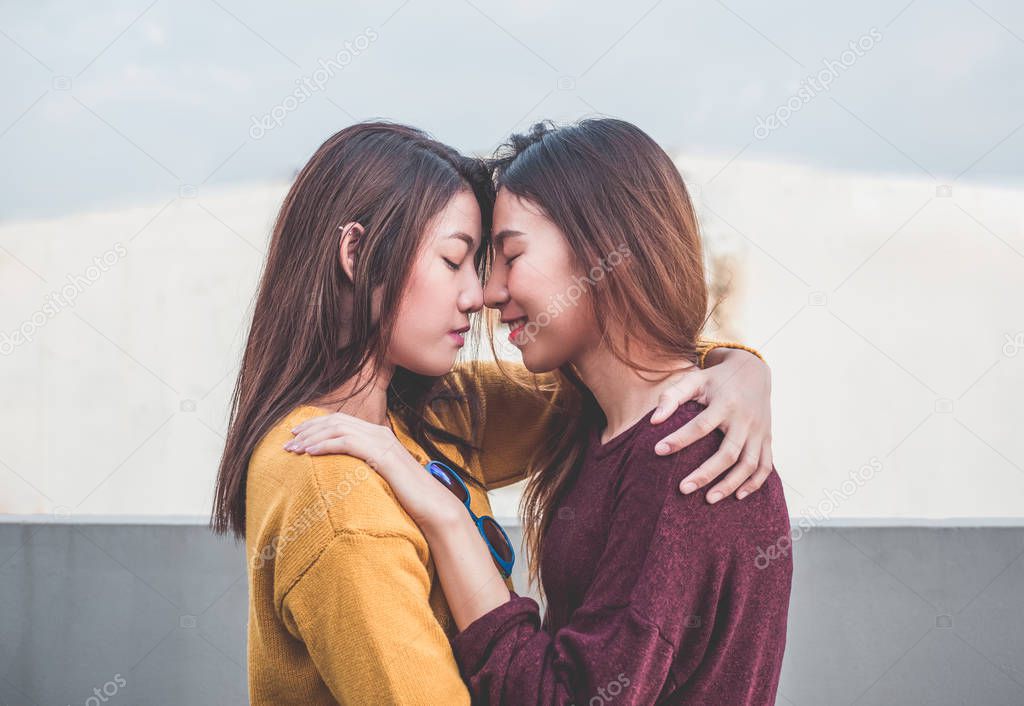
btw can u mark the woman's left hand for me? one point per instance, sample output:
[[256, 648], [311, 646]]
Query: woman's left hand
[[427, 501]]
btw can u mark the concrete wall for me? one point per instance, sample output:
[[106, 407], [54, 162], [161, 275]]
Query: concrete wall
[[156, 614]]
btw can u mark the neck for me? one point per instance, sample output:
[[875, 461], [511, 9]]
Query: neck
[[365, 396], [624, 393]]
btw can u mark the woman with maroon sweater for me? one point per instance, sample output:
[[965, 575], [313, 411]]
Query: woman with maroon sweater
[[643, 607]]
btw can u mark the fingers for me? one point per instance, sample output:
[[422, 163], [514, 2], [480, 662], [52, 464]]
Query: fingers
[[685, 389], [697, 428], [764, 469], [727, 455], [314, 435], [742, 471], [324, 427], [331, 446]]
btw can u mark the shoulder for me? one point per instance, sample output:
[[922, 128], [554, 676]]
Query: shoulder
[[681, 463], [729, 523], [341, 493], [300, 509]]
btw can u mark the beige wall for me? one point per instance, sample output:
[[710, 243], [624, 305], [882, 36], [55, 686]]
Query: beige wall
[[883, 305]]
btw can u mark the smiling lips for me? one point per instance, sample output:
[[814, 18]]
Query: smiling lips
[[516, 327]]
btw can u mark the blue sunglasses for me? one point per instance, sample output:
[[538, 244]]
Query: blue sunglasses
[[494, 536]]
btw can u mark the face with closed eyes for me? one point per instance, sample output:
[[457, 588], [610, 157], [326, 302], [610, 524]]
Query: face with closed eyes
[[535, 284], [442, 291]]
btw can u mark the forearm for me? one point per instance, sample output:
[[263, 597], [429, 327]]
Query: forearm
[[471, 582], [512, 398]]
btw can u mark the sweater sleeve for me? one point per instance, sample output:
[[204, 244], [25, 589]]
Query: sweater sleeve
[[677, 605], [515, 399], [363, 612], [518, 408], [706, 345]]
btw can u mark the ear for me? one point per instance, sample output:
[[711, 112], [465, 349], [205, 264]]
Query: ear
[[348, 247]]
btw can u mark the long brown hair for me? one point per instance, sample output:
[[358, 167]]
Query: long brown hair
[[391, 179], [606, 184]]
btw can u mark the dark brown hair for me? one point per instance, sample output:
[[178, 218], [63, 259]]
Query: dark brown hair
[[609, 188], [391, 179]]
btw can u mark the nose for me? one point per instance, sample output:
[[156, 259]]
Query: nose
[[496, 289], [471, 298]]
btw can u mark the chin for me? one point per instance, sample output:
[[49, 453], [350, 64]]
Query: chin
[[535, 360], [432, 362], [435, 367]]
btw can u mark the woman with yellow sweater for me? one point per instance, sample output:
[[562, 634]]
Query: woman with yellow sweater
[[373, 271]]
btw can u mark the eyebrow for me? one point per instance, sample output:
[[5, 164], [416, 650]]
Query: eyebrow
[[500, 237], [467, 239]]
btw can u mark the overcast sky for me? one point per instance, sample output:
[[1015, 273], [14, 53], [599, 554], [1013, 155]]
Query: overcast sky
[[107, 104]]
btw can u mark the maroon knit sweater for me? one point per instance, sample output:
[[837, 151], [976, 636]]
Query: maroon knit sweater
[[653, 597]]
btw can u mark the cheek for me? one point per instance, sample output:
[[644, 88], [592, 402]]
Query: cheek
[[559, 306], [423, 302], [543, 284], [418, 340]]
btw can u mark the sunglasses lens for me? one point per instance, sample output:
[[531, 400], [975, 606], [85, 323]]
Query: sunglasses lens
[[446, 476], [497, 538]]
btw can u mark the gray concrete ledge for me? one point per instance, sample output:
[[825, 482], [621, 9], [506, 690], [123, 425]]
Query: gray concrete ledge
[[154, 610]]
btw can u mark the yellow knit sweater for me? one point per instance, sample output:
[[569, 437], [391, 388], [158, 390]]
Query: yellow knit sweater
[[344, 603]]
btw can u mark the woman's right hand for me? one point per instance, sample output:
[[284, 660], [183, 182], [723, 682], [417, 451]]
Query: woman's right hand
[[427, 501], [469, 578], [737, 393]]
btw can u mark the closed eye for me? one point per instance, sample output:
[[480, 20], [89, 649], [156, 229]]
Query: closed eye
[[451, 265]]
